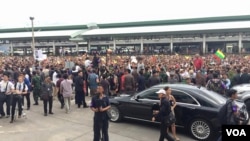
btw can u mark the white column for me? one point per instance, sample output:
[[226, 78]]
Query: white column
[[54, 48], [171, 44], [11, 49], [114, 45], [89, 45], [240, 42], [204, 44], [77, 48], [141, 50]]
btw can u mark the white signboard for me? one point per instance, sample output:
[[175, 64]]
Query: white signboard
[[39, 55]]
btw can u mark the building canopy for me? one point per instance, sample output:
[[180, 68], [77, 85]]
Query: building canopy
[[172, 29]]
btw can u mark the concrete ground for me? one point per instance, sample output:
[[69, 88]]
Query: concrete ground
[[76, 126]]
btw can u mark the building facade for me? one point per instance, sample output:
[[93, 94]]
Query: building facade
[[183, 36]]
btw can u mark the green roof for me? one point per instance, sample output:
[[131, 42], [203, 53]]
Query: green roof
[[135, 24]]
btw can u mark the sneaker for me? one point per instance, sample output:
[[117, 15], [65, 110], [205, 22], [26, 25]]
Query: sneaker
[[51, 113], [45, 114]]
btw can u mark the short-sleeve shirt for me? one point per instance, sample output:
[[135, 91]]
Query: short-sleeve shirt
[[96, 102], [21, 86], [3, 86]]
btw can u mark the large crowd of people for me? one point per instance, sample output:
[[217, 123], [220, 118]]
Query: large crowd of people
[[54, 77]]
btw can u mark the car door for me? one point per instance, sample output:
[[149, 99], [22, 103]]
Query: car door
[[141, 108], [186, 106]]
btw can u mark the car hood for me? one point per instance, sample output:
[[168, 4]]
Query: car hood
[[242, 88], [122, 96]]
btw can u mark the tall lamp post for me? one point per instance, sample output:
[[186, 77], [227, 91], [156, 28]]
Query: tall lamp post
[[33, 36]]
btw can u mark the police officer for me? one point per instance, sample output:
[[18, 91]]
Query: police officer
[[20, 89], [165, 110], [100, 104]]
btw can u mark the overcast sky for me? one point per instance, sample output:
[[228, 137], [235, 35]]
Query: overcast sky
[[16, 13]]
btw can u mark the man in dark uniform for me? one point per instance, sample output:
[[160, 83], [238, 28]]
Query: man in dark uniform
[[80, 96], [165, 110], [36, 84], [100, 104]]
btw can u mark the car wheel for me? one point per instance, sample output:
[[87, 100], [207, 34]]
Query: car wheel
[[200, 129], [247, 102], [114, 114]]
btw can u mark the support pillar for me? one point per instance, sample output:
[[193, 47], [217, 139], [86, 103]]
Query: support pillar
[[77, 49], [240, 42], [54, 48], [204, 44], [89, 45], [114, 45], [141, 49], [11, 49], [24, 51], [171, 44]]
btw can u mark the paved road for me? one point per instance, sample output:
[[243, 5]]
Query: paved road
[[76, 126]]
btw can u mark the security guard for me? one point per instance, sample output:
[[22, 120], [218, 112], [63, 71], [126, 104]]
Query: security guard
[[100, 104], [20, 89], [165, 109]]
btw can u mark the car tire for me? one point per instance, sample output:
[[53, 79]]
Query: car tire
[[247, 102], [200, 129], [114, 114]]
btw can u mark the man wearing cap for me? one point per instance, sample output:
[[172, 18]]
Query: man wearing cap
[[165, 110], [5, 91]]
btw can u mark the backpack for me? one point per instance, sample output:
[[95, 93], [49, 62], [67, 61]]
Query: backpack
[[222, 115], [216, 86]]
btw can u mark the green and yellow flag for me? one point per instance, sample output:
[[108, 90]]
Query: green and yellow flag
[[220, 54]]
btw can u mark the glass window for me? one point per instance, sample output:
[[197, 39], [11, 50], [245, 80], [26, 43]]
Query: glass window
[[183, 97], [149, 94]]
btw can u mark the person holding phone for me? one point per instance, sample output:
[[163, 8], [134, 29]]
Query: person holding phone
[[100, 105]]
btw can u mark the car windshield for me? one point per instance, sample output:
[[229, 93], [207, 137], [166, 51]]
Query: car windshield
[[214, 96]]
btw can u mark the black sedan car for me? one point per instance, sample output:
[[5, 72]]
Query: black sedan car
[[197, 108]]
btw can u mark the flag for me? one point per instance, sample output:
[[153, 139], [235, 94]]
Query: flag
[[219, 54], [217, 59]]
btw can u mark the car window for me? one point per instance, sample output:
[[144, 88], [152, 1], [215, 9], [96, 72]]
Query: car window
[[149, 94], [183, 97]]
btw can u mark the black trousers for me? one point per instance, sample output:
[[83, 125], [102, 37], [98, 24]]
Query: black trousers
[[61, 99], [164, 133], [7, 101], [80, 98], [101, 127], [16, 99], [45, 104], [27, 99]]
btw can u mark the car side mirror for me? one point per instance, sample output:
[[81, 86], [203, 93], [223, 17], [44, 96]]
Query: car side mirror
[[137, 98]]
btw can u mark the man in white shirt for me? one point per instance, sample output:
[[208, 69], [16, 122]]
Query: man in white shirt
[[6, 88], [87, 62], [54, 77], [20, 88]]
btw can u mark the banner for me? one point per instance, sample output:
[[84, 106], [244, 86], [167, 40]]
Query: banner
[[39, 55], [69, 65]]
